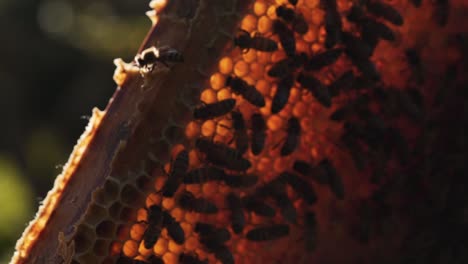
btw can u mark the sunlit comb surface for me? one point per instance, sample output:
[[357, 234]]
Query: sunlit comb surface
[[311, 162]]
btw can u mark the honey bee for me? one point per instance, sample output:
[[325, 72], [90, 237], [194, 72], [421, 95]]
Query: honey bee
[[222, 155], [295, 19], [373, 30], [286, 37], [249, 92], [238, 181], [308, 170], [211, 236], [276, 190], [187, 201], [152, 232], [334, 180], [292, 138], [266, 233], [203, 175], [281, 96], [149, 57], [310, 222], [223, 254], [256, 205], [316, 88], [174, 229], [333, 23], [414, 61], [293, 2], [237, 214], [287, 66], [384, 11], [367, 68], [185, 258], [356, 48], [258, 133], [178, 170], [326, 58], [244, 41], [209, 111], [300, 186], [240, 132]]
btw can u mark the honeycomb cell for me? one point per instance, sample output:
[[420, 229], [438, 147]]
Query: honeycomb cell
[[271, 12], [143, 183], [160, 247], [226, 65], [209, 188], [130, 195], [192, 130], [263, 87], [241, 68], [115, 248], [137, 231], [168, 203], [170, 258], [84, 239], [105, 229], [123, 231], [275, 123], [191, 243], [208, 96], [256, 71], [260, 8], [249, 23], [128, 214], [249, 56], [130, 248], [217, 81], [300, 109], [174, 247], [263, 57], [173, 134], [317, 16], [224, 94], [101, 247], [89, 258], [114, 210], [264, 25], [95, 213], [208, 128]]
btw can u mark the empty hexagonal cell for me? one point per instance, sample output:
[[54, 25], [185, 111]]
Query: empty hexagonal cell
[[130, 195], [106, 229], [95, 214], [115, 209], [173, 133], [128, 214], [89, 258], [108, 193], [144, 183], [84, 239], [101, 247]]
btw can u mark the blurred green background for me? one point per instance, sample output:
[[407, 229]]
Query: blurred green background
[[55, 66]]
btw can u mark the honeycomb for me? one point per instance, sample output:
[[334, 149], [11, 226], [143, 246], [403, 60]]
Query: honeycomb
[[337, 180]]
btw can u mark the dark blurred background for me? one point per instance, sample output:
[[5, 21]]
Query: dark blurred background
[[55, 66]]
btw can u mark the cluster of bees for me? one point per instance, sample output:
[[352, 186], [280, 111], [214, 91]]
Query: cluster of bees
[[368, 137]]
